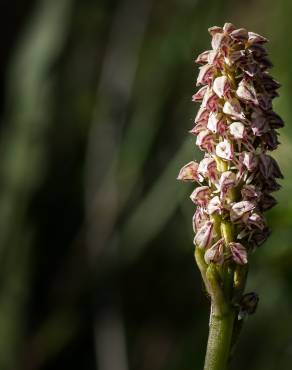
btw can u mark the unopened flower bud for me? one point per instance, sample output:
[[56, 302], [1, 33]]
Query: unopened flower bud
[[248, 304]]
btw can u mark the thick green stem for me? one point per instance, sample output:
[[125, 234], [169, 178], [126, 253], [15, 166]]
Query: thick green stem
[[219, 341], [224, 284]]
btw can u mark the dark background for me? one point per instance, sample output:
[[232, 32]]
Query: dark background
[[96, 253]]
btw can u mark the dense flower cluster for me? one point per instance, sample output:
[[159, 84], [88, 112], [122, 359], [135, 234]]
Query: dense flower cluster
[[235, 127]]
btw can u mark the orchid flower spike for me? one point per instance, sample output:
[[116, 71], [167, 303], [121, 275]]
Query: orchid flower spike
[[236, 128]]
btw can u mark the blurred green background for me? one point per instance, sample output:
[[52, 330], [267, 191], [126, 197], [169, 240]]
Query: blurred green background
[[96, 253]]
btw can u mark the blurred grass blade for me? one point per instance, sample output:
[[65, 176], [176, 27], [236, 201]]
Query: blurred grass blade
[[22, 163], [157, 207]]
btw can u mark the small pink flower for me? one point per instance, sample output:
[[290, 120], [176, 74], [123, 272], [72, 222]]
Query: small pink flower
[[203, 57], [205, 235], [250, 192], [215, 29], [238, 252], [236, 129], [199, 95], [240, 34], [210, 100], [205, 75], [257, 220], [214, 58], [215, 254], [201, 195], [205, 140], [219, 41], [221, 86], [216, 122], [233, 108], [199, 219], [224, 150], [229, 27], [235, 56], [202, 115], [200, 126], [247, 92], [214, 206], [250, 69], [207, 168], [259, 123], [250, 160], [240, 211], [254, 38], [227, 181], [189, 172]]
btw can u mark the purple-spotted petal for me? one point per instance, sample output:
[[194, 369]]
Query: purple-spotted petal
[[221, 86], [228, 27], [227, 181], [207, 168], [210, 100], [215, 29], [189, 172], [250, 192], [233, 108], [202, 115], [199, 219], [224, 150], [235, 56], [205, 140], [246, 91], [254, 38], [240, 210], [257, 220], [214, 206], [203, 57], [215, 254], [199, 95], [205, 74], [250, 161], [238, 252], [204, 236], [240, 34], [201, 195], [219, 41], [215, 122], [236, 129], [260, 123]]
